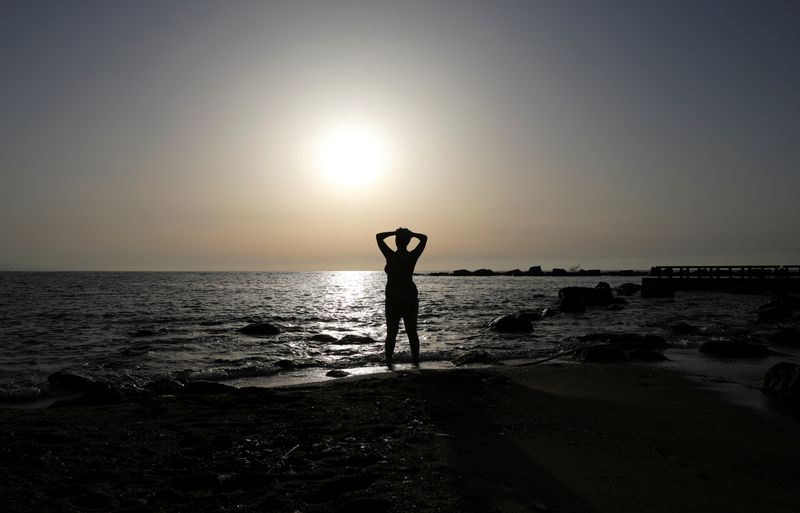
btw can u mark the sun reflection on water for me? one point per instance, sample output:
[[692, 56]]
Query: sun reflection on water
[[354, 299]]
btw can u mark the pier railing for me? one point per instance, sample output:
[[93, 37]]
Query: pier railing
[[720, 272], [665, 280]]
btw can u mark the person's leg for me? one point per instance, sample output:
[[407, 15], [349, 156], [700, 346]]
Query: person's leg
[[392, 327], [410, 323]]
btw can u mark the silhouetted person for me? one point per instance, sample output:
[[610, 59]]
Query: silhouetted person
[[401, 292]]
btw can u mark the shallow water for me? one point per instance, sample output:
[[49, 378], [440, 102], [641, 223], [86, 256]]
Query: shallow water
[[88, 322]]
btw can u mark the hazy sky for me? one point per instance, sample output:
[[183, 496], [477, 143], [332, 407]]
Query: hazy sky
[[186, 134]]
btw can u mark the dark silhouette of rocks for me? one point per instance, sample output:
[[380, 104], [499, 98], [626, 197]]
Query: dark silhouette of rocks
[[628, 289], [164, 386], [734, 349], [202, 387], [576, 299], [260, 329], [475, 356], [70, 381], [536, 270], [337, 373], [517, 323], [683, 328], [356, 339], [285, 364], [322, 337], [782, 381]]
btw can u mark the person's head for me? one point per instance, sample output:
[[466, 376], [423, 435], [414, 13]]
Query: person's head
[[402, 237]]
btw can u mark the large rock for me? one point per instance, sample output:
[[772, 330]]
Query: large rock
[[535, 270], [782, 380], [203, 387], [518, 323], [484, 272], [355, 339], [576, 299], [628, 289], [475, 356], [260, 329], [683, 328], [323, 337], [734, 349], [71, 381], [462, 272]]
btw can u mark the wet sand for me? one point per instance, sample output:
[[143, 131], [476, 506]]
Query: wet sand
[[564, 437]]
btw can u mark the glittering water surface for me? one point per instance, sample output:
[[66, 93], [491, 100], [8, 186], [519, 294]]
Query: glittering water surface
[[135, 327]]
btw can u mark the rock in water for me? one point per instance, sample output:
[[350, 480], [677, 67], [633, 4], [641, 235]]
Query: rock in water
[[683, 328], [511, 324], [628, 289], [336, 373], [475, 356], [734, 349], [260, 329], [67, 380], [356, 339], [202, 387], [322, 337], [782, 380], [576, 299]]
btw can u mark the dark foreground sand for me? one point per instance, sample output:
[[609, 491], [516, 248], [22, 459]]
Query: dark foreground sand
[[616, 438]]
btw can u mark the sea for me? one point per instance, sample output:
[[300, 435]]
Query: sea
[[132, 328]]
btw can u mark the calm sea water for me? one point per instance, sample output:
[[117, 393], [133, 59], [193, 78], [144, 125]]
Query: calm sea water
[[88, 322]]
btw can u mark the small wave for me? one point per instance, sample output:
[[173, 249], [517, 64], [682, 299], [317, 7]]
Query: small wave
[[225, 373]]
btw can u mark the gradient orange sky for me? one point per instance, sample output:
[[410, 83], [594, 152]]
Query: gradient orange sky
[[182, 135]]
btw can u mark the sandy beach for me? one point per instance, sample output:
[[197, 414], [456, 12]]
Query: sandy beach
[[562, 437]]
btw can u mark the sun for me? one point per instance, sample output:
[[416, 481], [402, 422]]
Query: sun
[[352, 154]]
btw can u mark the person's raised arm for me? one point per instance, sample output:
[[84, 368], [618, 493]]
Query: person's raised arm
[[380, 238], [423, 240]]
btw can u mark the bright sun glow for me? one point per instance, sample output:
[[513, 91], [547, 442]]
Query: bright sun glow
[[352, 155]]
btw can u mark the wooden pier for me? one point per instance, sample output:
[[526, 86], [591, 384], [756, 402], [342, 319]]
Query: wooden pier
[[743, 278]]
